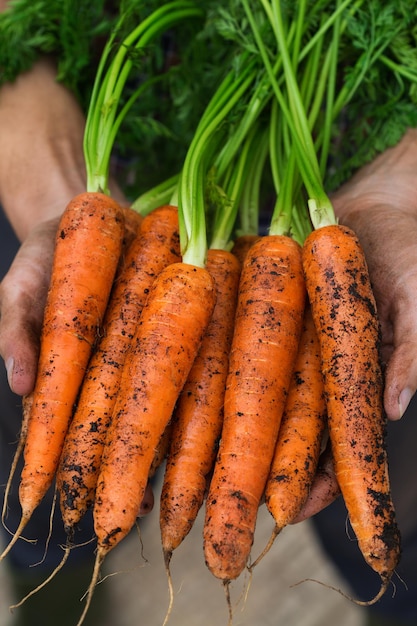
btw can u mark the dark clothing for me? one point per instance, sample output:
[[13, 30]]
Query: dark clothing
[[338, 539]]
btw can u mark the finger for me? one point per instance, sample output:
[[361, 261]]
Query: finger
[[19, 336], [324, 490], [22, 299], [401, 379], [147, 502], [401, 372]]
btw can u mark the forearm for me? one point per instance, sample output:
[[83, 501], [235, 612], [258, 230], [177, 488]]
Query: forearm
[[42, 164]]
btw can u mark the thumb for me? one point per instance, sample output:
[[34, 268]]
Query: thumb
[[401, 378], [401, 372]]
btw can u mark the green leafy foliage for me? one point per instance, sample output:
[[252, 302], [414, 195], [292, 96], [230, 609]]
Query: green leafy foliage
[[380, 47], [376, 72], [69, 30]]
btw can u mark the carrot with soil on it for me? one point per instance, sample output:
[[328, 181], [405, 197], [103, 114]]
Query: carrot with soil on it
[[87, 251], [155, 246], [301, 433], [300, 436], [164, 347], [198, 415], [167, 339], [346, 320], [268, 325], [345, 316]]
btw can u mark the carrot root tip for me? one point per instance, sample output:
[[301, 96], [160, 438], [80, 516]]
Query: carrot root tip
[[46, 581], [266, 549], [385, 582], [226, 587], [167, 561], [101, 554]]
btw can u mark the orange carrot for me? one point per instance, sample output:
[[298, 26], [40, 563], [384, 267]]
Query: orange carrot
[[133, 221], [88, 246], [297, 451], [198, 415], [168, 337], [155, 247], [268, 325], [241, 246], [170, 330], [300, 436], [345, 317]]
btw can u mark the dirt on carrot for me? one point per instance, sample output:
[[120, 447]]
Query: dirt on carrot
[[155, 246], [345, 316], [198, 416], [267, 331], [87, 252], [301, 432]]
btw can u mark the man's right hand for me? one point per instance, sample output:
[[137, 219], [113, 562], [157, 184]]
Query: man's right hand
[[22, 300]]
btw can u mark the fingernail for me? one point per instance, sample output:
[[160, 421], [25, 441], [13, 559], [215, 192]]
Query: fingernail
[[9, 369], [404, 400]]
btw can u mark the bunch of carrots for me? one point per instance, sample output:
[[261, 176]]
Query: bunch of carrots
[[188, 336]]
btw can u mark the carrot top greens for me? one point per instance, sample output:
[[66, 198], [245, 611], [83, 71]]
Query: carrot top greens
[[350, 64], [104, 114]]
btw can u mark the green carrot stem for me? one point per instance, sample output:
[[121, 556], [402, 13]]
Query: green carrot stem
[[250, 197], [101, 127], [193, 233], [253, 110], [294, 97], [401, 70], [239, 170], [156, 196], [320, 206], [330, 96], [282, 212]]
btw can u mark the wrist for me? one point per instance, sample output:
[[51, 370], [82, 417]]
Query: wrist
[[387, 182]]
